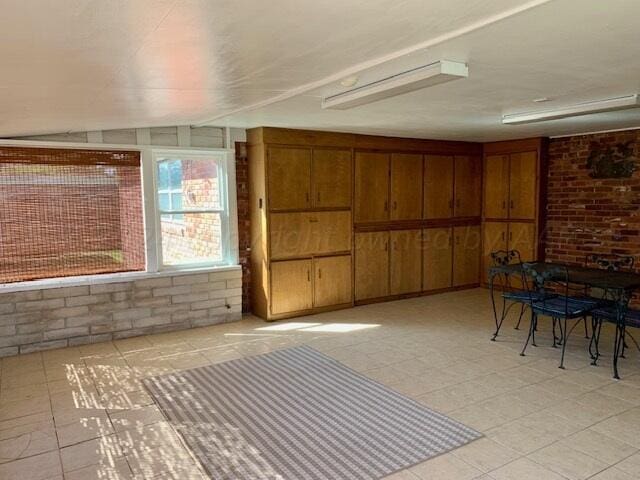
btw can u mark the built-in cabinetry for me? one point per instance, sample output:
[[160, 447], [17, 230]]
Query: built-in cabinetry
[[513, 199], [340, 219]]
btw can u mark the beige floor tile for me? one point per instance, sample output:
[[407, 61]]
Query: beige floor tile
[[445, 467], [524, 469], [119, 470], [39, 467], [485, 454], [567, 461], [630, 465], [606, 449], [39, 439], [99, 451], [83, 428], [614, 473], [136, 418]]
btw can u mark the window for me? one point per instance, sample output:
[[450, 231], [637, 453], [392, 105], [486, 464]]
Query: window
[[69, 212], [192, 213]]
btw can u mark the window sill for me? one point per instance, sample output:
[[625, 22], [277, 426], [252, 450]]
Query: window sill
[[107, 278]]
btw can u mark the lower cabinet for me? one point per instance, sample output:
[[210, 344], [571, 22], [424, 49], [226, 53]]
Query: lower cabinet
[[332, 281], [372, 265], [437, 258], [405, 263], [291, 286], [466, 255], [299, 285], [494, 237]]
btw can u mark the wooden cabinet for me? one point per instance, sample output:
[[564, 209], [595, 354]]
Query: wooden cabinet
[[437, 258], [467, 186], [510, 186], [466, 255], [371, 187], [291, 235], [371, 265], [289, 178], [331, 178], [522, 185], [438, 186], [496, 186], [331, 232], [291, 286], [406, 186], [522, 237], [332, 280], [405, 261]]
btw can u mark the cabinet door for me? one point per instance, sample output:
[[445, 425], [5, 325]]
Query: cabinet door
[[522, 237], [330, 232], [437, 258], [291, 235], [291, 286], [289, 178], [372, 187], [468, 173], [332, 283], [406, 261], [406, 186], [496, 186], [438, 186], [466, 255], [372, 265], [494, 237], [522, 186], [331, 178]]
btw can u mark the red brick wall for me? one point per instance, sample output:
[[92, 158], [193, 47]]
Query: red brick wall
[[244, 228], [587, 215]]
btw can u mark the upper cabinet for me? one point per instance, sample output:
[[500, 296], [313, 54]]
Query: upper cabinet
[[372, 187], [510, 183], [331, 178], [289, 178], [522, 185], [467, 190], [496, 186], [303, 178], [452, 186], [438, 186], [406, 186]]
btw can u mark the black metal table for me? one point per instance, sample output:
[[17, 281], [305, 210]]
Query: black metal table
[[619, 285]]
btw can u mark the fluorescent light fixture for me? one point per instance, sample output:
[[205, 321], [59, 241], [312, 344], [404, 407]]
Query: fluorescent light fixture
[[397, 84], [598, 106]]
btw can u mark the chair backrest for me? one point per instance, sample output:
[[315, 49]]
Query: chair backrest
[[610, 262], [501, 258], [505, 257], [543, 281]]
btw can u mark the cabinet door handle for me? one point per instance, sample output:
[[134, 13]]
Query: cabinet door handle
[[503, 235], [386, 246], [510, 236], [306, 195], [450, 203], [511, 205], [308, 275], [386, 205], [319, 273], [504, 204], [318, 197]]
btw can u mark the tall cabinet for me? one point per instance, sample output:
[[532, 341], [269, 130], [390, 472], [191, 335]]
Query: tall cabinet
[[513, 199]]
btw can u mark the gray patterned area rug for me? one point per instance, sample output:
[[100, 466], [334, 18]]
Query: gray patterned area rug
[[297, 414]]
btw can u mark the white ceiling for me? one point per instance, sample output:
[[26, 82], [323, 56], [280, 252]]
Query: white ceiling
[[97, 64]]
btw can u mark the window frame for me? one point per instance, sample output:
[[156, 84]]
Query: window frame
[[151, 235], [227, 211]]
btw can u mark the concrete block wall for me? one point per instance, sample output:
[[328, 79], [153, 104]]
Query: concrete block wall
[[49, 318]]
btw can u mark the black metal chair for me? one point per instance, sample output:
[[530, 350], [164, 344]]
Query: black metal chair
[[548, 287], [608, 308]]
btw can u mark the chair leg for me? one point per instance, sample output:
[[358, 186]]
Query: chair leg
[[565, 336], [533, 332], [560, 340], [531, 325], [596, 334], [586, 330], [553, 330], [624, 346], [517, 327]]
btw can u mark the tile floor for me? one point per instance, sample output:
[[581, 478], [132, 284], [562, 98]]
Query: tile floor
[[82, 413]]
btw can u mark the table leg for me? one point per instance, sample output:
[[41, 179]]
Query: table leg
[[495, 310]]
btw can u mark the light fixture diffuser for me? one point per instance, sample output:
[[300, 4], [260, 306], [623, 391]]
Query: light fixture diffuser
[[397, 84], [587, 108]]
